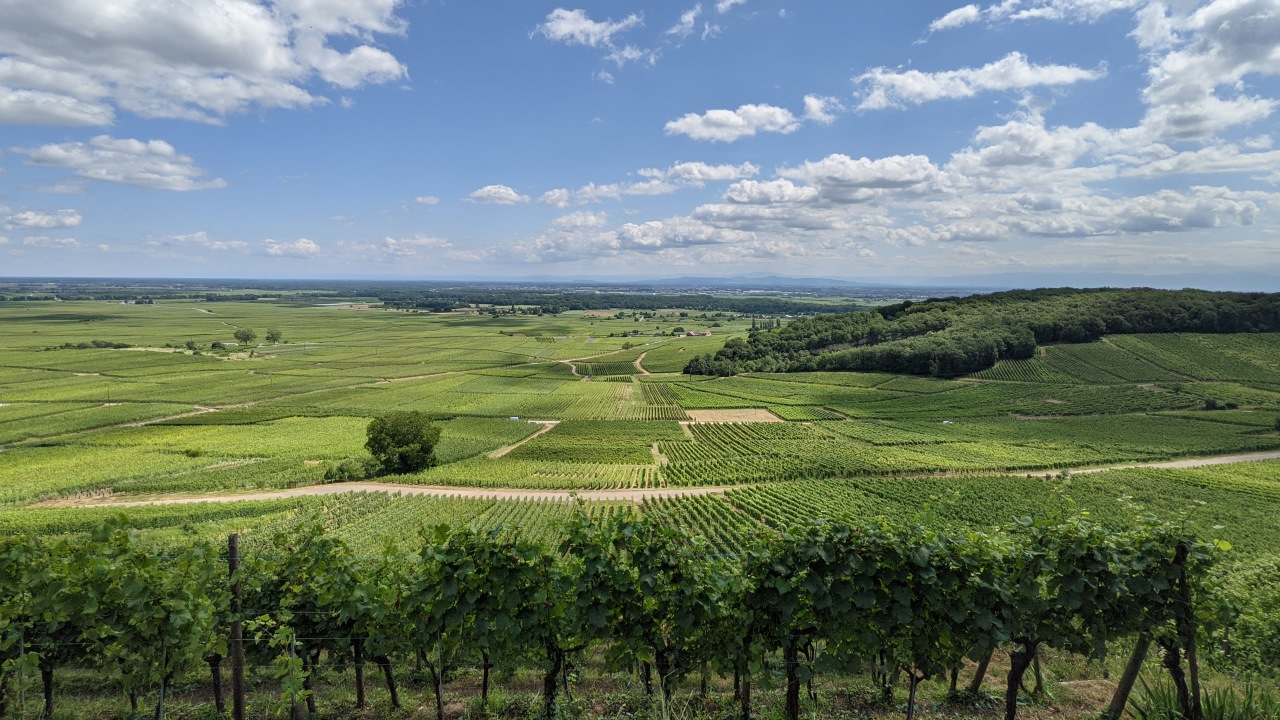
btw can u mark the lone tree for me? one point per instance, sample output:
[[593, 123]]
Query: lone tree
[[274, 335], [244, 336], [403, 442]]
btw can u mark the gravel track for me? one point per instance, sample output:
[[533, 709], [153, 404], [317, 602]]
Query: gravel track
[[622, 495]]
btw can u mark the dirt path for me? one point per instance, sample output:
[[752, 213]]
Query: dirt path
[[639, 367], [1192, 462], [619, 495], [429, 490], [200, 410], [547, 426]]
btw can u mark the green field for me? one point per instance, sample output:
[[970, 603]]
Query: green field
[[158, 417]]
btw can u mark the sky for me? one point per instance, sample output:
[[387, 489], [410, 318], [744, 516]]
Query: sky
[[432, 139]]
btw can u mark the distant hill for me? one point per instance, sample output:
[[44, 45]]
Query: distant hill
[[958, 335]]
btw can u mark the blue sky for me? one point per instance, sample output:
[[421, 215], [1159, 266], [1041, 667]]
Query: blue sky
[[382, 138]]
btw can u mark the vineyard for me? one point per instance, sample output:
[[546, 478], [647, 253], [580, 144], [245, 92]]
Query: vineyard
[[85, 433], [919, 600]]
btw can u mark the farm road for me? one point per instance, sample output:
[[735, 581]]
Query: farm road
[[436, 490], [517, 494]]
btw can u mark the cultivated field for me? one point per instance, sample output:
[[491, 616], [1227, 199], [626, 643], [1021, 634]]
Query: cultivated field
[[561, 404]]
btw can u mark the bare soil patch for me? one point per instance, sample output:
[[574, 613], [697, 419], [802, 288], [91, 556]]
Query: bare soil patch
[[735, 415]]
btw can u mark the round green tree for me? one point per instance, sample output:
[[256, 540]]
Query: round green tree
[[244, 336], [403, 442]]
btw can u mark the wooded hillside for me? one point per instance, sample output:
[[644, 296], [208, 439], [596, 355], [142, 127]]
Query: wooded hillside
[[954, 336]]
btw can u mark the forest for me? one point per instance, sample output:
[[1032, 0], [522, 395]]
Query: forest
[[959, 335]]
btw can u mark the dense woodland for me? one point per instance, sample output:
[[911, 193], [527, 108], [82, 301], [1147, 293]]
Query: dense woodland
[[953, 336]]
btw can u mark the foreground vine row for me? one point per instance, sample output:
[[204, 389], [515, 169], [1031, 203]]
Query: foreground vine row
[[901, 602]]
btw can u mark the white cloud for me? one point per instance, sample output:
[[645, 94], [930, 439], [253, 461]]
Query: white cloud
[[604, 76], [821, 109], [698, 173], [688, 19], [42, 241], [657, 182], [842, 178], [408, 247], [34, 107], [198, 240], [4, 240], [956, 18], [772, 192], [190, 60], [1066, 10], [724, 6], [885, 88], [395, 250], [151, 164], [497, 195], [731, 125], [557, 198], [630, 53], [300, 248], [1215, 47], [581, 221], [427, 200], [573, 27], [45, 220], [1213, 159]]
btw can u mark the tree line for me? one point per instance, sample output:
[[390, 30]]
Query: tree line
[[904, 603], [959, 335]]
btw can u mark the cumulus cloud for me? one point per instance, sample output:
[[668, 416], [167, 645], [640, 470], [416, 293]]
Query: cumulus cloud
[[1212, 159], [45, 220], [657, 182], [724, 6], [731, 125], [191, 60], [821, 109], [842, 178], [150, 164], [301, 248], [497, 195], [581, 221], [427, 200], [1214, 49], [885, 88], [772, 192]]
